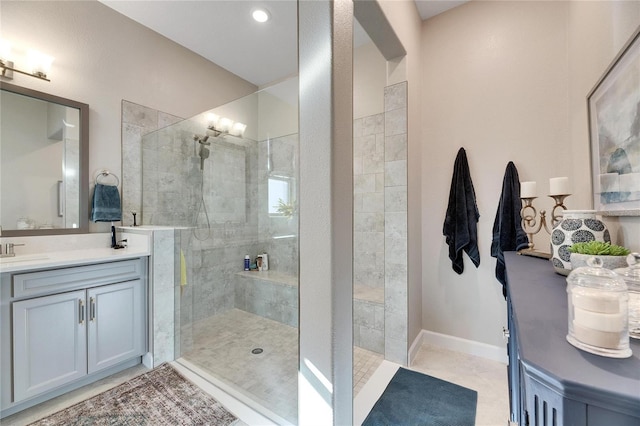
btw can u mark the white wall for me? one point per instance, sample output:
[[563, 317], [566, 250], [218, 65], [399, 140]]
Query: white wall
[[506, 81], [101, 57], [369, 80]]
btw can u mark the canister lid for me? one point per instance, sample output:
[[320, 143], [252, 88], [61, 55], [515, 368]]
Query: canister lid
[[631, 274], [595, 276]]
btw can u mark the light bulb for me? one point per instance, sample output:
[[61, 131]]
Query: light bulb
[[40, 63], [212, 120], [238, 129], [260, 15], [224, 125], [5, 51]]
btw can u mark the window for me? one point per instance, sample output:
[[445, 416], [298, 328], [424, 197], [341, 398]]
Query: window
[[279, 191]]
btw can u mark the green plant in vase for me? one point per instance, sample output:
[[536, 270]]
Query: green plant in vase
[[612, 256]]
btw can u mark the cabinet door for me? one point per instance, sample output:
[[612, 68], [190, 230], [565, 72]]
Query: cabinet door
[[116, 324], [49, 343]]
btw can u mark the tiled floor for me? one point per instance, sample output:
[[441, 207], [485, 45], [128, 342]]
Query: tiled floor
[[223, 348], [365, 364], [223, 344], [487, 377]]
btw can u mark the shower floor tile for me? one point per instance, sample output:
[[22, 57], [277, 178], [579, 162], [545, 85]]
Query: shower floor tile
[[222, 346], [365, 364]]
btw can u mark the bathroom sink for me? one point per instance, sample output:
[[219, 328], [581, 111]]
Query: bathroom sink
[[23, 258]]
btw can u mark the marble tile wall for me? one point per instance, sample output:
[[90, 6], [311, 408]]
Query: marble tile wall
[[368, 200], [162, 272], [368, 325], [137, 120], [380, 226], [395, 223]]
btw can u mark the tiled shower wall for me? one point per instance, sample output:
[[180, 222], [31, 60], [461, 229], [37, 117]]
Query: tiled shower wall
[[380, 226], [137, 120], [162, 183], [395, 223]]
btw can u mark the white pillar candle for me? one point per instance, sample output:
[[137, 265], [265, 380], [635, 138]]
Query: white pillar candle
[[559, 186], [528, 190], [614, 323], [601, 339]]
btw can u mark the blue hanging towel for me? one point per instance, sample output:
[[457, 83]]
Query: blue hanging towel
[[105, 206], [461, 221], [508, 234]]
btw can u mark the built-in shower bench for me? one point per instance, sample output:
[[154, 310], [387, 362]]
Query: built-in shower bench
[[270, 294], [274, 295]]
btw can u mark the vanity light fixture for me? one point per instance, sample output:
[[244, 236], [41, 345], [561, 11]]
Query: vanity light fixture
[[40, 63], [260, 15], [221, 126]]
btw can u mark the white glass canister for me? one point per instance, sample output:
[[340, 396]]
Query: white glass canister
[[598, 311], [631, 276], [576, 226]]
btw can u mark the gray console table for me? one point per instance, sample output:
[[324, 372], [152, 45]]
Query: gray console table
[[551, 382]]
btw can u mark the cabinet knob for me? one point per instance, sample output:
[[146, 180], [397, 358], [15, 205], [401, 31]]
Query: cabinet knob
[[505, 332]]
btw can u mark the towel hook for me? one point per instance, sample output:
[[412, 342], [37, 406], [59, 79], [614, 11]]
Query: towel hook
[[105, 174]]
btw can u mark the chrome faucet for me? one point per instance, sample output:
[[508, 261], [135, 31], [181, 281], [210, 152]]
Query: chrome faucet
[[8, 250]]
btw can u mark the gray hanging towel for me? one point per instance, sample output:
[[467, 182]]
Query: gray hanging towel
[[508, 234], [105, 206], [460, 222]]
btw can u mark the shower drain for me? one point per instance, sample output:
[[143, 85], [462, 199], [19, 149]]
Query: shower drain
[[257, 351]]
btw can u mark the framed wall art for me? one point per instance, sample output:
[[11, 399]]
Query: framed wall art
[[614, 131]]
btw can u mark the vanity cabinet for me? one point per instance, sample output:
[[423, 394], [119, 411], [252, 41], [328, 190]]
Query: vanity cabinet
[[66, 327], [553, 383], [60, 338]]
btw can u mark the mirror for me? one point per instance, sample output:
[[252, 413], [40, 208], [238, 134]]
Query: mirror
[[44, 148]]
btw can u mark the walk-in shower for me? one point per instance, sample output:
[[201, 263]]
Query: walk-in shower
[[226, 179]]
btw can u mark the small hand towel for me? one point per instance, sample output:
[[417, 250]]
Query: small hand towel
[[105, 206], [508, 234], [460, 222]]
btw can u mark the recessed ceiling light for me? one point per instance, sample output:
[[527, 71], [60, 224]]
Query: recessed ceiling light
[[260, 15]]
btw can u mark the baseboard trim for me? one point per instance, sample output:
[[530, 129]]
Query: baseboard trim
[[458, 344], [415, 346]]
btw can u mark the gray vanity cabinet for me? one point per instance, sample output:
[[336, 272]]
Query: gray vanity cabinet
[[115, 324], [64, 327], [49, 343]]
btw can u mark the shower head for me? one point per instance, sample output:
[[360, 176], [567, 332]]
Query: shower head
[[204, 154]]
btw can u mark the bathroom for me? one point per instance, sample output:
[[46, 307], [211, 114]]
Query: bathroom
[[443, 305]]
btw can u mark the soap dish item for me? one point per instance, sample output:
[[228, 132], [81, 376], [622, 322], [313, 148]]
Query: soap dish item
[[598, 310]]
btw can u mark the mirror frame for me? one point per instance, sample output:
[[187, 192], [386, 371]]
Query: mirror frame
[[84, 163]]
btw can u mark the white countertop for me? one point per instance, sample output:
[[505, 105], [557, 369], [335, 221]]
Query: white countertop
[[67, 258], [62, 251]]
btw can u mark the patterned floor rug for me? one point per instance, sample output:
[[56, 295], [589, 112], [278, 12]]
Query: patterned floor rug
[[160, 397]]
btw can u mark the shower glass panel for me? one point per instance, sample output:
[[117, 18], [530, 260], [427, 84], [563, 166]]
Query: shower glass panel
[[231, 191]]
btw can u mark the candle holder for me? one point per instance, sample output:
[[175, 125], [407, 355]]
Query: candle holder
[[532, 224]]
